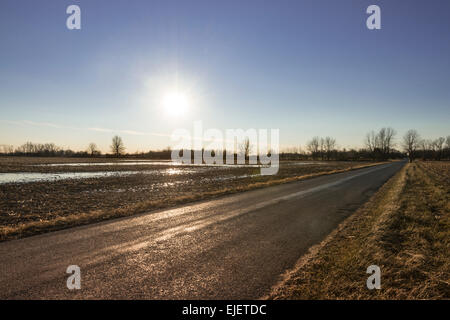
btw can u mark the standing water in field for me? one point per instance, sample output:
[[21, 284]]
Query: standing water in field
[[25, 177]]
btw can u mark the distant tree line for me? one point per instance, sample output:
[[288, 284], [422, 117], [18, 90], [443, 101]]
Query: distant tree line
[[117, 148], [339, 155], [41, 150], [323, 148], [378, 146], [426, 149]]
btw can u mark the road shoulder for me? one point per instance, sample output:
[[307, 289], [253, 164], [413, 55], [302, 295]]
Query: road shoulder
[[404, 229]]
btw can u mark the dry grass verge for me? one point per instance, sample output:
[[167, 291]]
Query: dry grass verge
[[404, 229]]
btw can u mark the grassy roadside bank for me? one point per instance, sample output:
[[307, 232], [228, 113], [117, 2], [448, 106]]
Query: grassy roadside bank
[[50, 216], [404, 229]]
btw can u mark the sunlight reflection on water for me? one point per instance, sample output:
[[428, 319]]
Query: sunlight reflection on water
[[26, 177]]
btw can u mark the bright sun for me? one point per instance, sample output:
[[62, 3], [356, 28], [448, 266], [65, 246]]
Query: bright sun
[[175, 103]]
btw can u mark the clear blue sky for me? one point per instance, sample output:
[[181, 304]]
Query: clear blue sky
[[305, 67]]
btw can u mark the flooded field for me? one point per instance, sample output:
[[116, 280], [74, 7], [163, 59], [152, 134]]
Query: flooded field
[[26, 177], [83, 170], [25, 172], [61, 192]]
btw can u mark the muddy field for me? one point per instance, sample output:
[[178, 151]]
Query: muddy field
[[70, 192]]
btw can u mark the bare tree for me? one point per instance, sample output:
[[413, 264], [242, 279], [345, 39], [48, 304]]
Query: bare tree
[[28, 147], [380, 144], [246, 148], [439, 145], [423, 143], [313, 147], [117, 146], [371, 141], [381, 141], [330, 144], [411, 141], [322, 148], [92, 149], [389, 135]]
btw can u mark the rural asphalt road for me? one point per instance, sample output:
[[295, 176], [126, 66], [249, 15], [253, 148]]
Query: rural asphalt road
[[233, 247]]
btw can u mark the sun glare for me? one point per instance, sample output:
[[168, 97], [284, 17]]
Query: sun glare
[[175, 103]]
